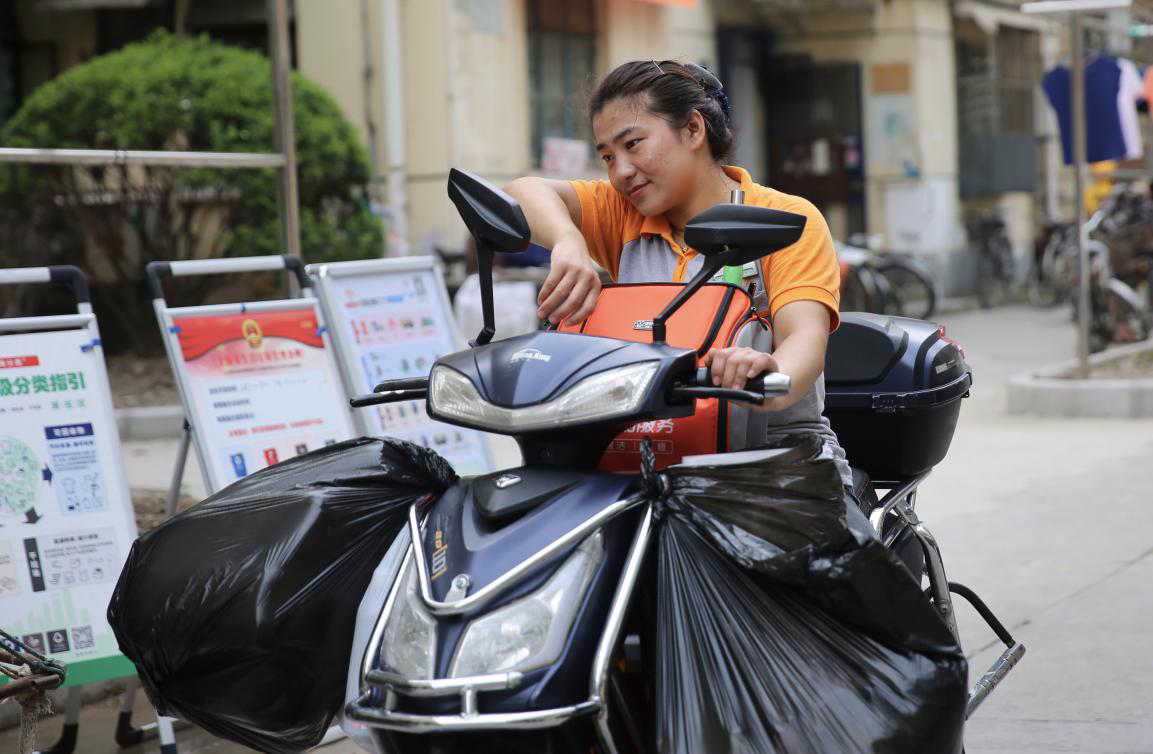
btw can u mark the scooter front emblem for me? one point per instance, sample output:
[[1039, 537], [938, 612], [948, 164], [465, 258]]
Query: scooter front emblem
[[507, 480], [529, 354]]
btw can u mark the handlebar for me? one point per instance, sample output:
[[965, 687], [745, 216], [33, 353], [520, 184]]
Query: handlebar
[[699, 385], [756, 390]]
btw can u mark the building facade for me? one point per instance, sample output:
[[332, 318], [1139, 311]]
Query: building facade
[[896, 117]]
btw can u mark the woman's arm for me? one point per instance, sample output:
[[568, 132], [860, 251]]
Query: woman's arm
[[553, 211], [800, 335]]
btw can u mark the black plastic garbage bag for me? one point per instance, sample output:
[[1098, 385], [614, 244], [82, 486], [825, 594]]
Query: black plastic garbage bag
[[239, 613], [784, 625]]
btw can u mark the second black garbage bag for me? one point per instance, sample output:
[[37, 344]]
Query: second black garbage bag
[[784, 625], [239, 613]]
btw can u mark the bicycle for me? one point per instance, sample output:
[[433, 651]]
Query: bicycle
[[1050, 280], [996, 268], [1118, 314], [885, 283]]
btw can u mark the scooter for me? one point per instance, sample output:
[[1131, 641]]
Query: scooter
[[510, 609]]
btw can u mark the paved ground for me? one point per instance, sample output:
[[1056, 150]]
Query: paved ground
[[1051, 521]]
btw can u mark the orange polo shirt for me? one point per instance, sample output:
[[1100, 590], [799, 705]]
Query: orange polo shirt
[[805, 271]]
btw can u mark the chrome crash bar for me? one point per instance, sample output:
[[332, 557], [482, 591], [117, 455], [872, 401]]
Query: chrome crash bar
[[368, 710], [532, 562], [408, 722]]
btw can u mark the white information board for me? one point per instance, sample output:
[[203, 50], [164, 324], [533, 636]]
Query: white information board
[[66, 522], [391, 319], [258, 382]]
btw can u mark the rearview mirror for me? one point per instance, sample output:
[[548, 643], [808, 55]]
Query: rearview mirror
[[493, 217], [497, 223], [731, 235], [736, 234]]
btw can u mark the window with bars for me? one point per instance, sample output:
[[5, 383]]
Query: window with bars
[[562, 68], [997, 77]]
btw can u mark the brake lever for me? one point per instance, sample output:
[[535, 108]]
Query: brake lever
[[724, 393], [392, 396], [393, 391], [405, 383], [757, 389]]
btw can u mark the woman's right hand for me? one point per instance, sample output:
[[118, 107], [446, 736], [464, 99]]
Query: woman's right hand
[[572, 287]]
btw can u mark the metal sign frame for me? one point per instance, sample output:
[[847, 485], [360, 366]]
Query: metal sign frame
[[326, 276], [85, 319], [168, 319]]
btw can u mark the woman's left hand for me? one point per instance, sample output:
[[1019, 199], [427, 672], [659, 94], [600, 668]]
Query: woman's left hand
[[733, 367]]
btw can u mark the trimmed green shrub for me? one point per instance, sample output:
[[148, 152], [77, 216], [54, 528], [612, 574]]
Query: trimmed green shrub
[[174, 93]]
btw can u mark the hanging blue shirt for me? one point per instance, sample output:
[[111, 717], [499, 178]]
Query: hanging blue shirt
[[1104, 136]]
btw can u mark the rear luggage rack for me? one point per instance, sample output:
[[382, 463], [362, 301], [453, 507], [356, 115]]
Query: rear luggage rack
[[900, 502]]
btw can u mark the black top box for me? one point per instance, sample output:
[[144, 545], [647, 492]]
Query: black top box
[[893, 390]]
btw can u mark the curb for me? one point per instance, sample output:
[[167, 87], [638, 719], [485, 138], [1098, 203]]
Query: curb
[[149, 422], [1051, 392]]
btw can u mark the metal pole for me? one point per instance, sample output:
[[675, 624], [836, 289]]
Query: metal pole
[[140, 157], [1079, 158], [288, 197], [392, 59]]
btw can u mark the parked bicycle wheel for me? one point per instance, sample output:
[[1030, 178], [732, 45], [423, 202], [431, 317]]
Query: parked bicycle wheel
[[911, 290], [858, 290], [996, 269], [1053, 281], [862, 289], [1126, 313]]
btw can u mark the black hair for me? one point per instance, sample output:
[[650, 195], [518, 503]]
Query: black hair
[[672, 90]]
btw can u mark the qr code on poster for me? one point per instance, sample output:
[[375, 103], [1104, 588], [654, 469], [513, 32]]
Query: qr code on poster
[[82, 637]]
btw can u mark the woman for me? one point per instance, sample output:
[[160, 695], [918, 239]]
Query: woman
[[662, 130]]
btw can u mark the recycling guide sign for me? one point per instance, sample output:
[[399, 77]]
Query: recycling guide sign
[[391, 319], [66, 521], [259, 387]]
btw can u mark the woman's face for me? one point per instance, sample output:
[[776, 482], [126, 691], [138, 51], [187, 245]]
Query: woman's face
[[649, 162]]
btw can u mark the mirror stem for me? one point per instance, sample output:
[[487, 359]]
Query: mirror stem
[[735, 274], [708, 269], [484, 257]]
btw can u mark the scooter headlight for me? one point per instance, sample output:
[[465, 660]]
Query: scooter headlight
[[614, 392], [530, 632], [409, 643]]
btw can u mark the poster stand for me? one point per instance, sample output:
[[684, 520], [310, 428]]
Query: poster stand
[[391, 319], [171, 320], [84, 320], [198, 419]]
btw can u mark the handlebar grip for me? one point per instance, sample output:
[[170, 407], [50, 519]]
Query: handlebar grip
[[768, 384]]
